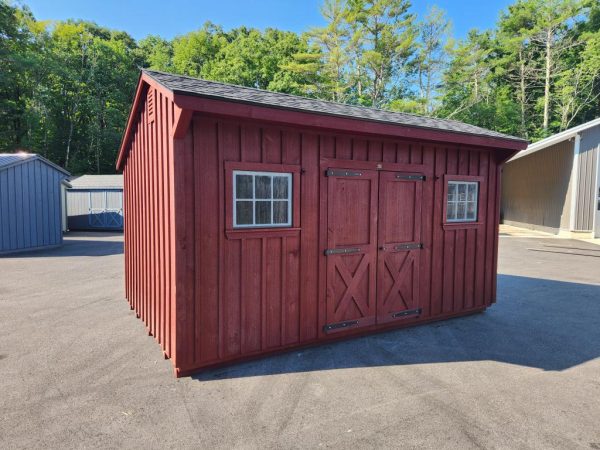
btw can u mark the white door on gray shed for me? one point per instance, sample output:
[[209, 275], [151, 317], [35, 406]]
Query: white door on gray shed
[[106, 209]]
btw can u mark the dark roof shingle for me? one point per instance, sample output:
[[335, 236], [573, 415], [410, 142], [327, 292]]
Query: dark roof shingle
[[212, 89]]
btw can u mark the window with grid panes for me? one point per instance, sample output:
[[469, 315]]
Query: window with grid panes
[[461, 203], [262, 199]]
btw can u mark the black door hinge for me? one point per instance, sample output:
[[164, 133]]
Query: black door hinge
[[408, 312], [335, 326], [342, 173], [403, 247], [404, 176], [341, 251], [408, 246]]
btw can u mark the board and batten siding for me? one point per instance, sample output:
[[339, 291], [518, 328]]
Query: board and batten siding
[[30, 206], [585, 207], [536, 189], [247, 293], [148, 204]]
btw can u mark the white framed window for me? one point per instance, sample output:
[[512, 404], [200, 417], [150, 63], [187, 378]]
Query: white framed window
[[461, 204], [262, 199]]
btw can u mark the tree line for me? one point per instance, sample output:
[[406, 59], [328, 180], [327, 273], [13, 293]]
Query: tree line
[[66, 86]]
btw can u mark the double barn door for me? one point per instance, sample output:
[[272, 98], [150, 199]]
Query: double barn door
[[373, 247]]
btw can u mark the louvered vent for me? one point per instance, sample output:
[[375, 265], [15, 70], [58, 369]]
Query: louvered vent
[[150, 101]]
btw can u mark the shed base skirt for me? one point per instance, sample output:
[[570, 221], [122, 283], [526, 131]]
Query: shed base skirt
[[350, 334]]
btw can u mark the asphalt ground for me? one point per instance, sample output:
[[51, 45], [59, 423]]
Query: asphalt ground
[[77, 370]]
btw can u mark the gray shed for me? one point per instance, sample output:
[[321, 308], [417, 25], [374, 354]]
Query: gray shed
[[95, 202], [30, 202], [554, 184]]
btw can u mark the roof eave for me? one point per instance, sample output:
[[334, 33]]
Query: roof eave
[[536, 148], [220, 106], [130, 118], [556, 139]]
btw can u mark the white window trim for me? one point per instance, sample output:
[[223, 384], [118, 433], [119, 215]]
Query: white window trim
[[287, 175], [466, 202]]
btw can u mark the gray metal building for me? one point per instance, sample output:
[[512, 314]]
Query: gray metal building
[[30, 202], [95, 202], [554, 184]]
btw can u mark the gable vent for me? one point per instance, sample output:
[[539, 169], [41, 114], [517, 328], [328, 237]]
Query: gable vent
[[150, 103]]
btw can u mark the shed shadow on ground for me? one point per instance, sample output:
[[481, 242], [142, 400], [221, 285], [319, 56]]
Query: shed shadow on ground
[[85, 244], [545, 324]]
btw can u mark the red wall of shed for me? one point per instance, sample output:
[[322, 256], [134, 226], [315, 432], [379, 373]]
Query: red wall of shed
[[240, 295], [149, 220]]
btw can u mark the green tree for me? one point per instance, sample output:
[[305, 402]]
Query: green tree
[[192, 51], [468, 77], [156, 53], [385, 35], [577, 86], [18, 60], [302, 73], [539, 72], [550, 33], [516, 58], [431, 57], [334, 41]]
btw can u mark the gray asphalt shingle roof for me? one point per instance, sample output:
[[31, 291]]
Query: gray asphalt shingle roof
[[211, 89]]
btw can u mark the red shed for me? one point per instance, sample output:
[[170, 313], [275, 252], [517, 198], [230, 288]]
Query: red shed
[[257, 222]]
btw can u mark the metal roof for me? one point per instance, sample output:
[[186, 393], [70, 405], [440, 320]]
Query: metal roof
[[13, 159], [180, 84], [97, 182], [556, 138], [9, 159]]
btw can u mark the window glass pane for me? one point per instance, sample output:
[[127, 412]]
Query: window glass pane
[[451, 188], [280, 187], [471, 211], [263, 186], [263, 212], [462, 192], [451, 212], [243, 186], [461, 211], [243, 213], [280, 212], [472, 192]]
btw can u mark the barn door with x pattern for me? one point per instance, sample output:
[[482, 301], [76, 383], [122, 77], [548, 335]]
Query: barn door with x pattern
[[351, 248], [399, 245]]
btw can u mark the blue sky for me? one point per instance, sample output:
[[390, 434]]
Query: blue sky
[[171, 18]]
